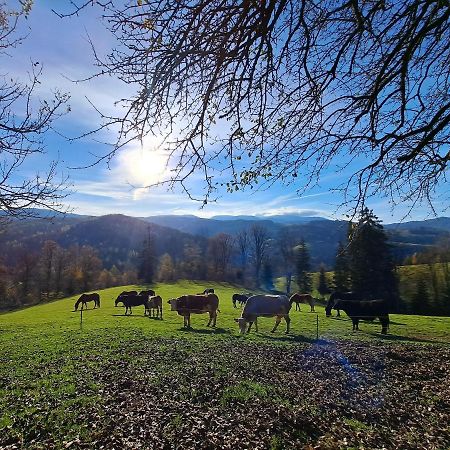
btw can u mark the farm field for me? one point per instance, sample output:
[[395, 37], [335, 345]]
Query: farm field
[[136, 382]]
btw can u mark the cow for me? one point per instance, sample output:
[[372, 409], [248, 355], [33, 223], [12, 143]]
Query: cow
[[132, 300], [196, 304], [365, 310], [208, 291], [154, 306], [338, 295], [148, 293], [240, 298], [298, 298], [127, 293], [265, 306]]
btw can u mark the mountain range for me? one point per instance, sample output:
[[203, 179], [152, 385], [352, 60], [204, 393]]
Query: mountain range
[[118, 238]]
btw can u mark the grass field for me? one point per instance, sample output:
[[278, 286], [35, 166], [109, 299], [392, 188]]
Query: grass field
[[136, 382]]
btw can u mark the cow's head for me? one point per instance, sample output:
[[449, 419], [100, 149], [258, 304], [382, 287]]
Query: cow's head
[[242, 324], [173, 304], [329, 307]]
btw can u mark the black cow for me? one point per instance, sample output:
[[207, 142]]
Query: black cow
[[240, 298], [132, 300], [208, 291], [338, 295], [365, 310]]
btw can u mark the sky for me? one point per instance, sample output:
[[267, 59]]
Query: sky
[[62, 49]]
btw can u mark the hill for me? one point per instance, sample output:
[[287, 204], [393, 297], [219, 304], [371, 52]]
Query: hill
[[116, 237]]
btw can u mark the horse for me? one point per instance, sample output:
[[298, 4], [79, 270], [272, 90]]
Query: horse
[[337, 295], [302, 298], [240, 298], [85, 298], [132, 300]]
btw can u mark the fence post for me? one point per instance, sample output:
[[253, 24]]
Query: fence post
[[317, 326]]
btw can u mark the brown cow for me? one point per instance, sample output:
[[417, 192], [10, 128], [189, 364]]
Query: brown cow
[[302, 298], [196, 304], [154, 307]]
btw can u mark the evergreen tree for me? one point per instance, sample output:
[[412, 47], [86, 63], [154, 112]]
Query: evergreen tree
[[303, 267], [267, 276], [341, 277], [147, 263], [322, 288], [372, 269], [420, 303]]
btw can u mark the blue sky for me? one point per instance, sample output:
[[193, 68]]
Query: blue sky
[[62, 47]]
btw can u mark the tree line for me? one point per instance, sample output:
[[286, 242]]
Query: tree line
[[252, 258]]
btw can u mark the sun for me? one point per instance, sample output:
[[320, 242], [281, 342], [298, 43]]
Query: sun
[[143, 165]]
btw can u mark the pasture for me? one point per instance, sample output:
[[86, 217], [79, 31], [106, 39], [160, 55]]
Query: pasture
[[137, 382]]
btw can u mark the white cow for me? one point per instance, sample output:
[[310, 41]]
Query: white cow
[[266, 306]]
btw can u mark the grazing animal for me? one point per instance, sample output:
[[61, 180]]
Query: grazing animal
[[148, 293], [132, 300], [208, 291], [266, 306], [127, 293], [240, 298], [154, 307], [302, 298], [337, 295], [365, 310], [85, 298], [196, 304]]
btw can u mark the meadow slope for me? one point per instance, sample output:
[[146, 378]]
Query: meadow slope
[[135, 382]]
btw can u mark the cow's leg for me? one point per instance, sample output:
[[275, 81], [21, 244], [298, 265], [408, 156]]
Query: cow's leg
[[160, 309], [256, 324], [249, 326], [338, 313], [277, 322], [288, 323], [214, 319]]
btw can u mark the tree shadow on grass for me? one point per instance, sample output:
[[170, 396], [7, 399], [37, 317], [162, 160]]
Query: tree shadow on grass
[[293, 338], [205, 331], [129, 315], [397, 338]]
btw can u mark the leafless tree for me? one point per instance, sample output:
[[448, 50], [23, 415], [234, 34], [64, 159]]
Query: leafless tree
[[24, 119], [220, 249], [259, 238], [286, 244], [285, 90], [242, 242]]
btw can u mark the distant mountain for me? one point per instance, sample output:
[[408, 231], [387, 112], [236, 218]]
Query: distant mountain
[[280, 218], [209, 227], [439, 223], [117, 238]]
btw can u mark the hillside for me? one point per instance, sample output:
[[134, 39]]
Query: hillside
[[117, 238], [134, 382]]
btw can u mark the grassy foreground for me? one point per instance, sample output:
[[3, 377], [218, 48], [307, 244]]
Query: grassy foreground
[[142, 383]]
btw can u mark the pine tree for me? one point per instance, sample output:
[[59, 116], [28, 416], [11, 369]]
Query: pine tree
[[322, 288], [267, 277], [147, 263], [372, 269], [341, 277], [420, 303], [303, 267]]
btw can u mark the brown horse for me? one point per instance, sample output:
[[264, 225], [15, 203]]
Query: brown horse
[[85, 298], [302, 298]]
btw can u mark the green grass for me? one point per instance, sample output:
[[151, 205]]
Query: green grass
[[50, 364], [48, 325]]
